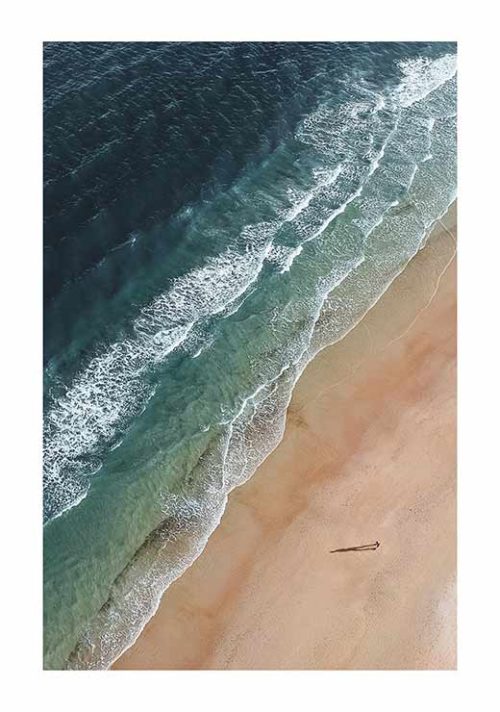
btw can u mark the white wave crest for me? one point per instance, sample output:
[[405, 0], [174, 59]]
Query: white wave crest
[[421, 76], [113, 388]]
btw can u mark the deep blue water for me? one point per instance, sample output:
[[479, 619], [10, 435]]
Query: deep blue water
[[204, 205]]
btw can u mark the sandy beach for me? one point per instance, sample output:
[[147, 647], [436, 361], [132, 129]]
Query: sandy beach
[[369, 454]]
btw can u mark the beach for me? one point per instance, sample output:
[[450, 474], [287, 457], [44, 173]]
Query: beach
[[368, 454], [252, 229]]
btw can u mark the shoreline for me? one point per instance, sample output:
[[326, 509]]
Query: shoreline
[[206, 618]]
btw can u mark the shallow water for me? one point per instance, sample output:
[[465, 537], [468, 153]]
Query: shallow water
[[214, 215]]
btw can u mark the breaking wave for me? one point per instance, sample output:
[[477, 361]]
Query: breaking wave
[[311, 238]]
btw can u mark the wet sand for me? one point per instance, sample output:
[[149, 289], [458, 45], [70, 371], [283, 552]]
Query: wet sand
[[369, 454]]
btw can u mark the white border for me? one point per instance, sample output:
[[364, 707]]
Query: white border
[[25, 28]]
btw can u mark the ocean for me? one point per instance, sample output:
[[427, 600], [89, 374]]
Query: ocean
[[214, 215]]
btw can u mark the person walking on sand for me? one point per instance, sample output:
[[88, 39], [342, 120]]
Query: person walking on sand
[[363, 547]]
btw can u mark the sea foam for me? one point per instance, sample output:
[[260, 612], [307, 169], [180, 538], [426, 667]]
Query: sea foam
[[378, 171]]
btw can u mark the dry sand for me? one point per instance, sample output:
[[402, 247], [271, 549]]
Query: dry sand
[[368, 454]]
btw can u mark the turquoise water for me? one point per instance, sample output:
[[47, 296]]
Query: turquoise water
[[171, 353]]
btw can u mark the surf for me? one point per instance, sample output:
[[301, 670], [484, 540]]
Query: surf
[[196, 394]]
